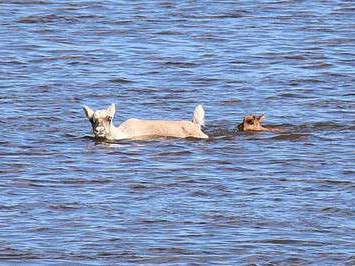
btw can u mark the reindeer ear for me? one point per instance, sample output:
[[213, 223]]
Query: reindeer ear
[[111, 110], [88, 112], [248, 118], [261, 118]]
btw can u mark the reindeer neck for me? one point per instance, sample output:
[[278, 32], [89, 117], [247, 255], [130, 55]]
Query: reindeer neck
[[117, 132]]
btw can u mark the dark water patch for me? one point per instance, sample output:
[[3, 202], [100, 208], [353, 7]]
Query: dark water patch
[[9, 171], [322, 126], [206, 81], [216, 134], [335, 74], [168, 33], [338, 211], [8, 207], [317, 66], [333, 104], [154, 221], [298, 82], [180, 64], [209, 38], [234, 169], [176, 251], [32, 183], [74, 138], [120, 80], [292, 137], [31, 2], [199, 193], [331, 182], [73, 60], [56, 19], [337, 182], [231, 102], [234, 15], [141, 186], [291, 242], [295, 57], [41, 229], [65, 207], [42, 182], [295, 95], [7, 253], [349, 172], [342, 10], [274, 260], [81, 181], [42, 19], [173, 154]]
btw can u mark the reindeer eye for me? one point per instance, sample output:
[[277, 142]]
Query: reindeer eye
[[109, 118]]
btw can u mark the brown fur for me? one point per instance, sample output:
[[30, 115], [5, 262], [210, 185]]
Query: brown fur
[[253, 123]]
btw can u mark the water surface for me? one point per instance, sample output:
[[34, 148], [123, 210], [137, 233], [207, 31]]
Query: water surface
[[237, 198]]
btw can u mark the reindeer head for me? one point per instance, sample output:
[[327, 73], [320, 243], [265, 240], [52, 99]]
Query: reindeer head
[[101, 121], [251, 122]]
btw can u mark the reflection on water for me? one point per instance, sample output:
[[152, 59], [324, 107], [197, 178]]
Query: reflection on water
[[237, 198]]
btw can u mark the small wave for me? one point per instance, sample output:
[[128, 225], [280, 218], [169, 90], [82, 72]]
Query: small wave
[[31, 2], [206, 81], [231, 102], [349, 172], [290, 242], [173, 154], [140, 186], [341, 211], [33, 19], [41, 229], [174, 250], [65, 207], [317, 66], [295, 95], [10, 171], [120, 80], [239, 14], [168, 33], [154, 221], [292, 137], [221, 133], [323, 126], [295, 57], [180, 64], [342, 10], [326, 182], [52, 18], [8, 207], [81, 181], [297, 82]]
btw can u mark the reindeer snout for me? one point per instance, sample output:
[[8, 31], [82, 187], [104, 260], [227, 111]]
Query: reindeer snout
[[99, 130]]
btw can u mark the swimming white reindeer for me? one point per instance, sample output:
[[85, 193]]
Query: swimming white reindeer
[[103, 128]]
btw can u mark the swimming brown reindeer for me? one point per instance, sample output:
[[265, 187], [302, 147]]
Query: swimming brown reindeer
[[253, 123], [103, 128]]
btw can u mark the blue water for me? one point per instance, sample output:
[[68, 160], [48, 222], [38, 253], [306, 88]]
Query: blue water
[[235, 199]]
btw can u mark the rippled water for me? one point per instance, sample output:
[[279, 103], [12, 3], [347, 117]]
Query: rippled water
[[237, 198]]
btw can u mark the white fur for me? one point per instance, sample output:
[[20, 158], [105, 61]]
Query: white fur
[[133, 128], [199, 115]]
